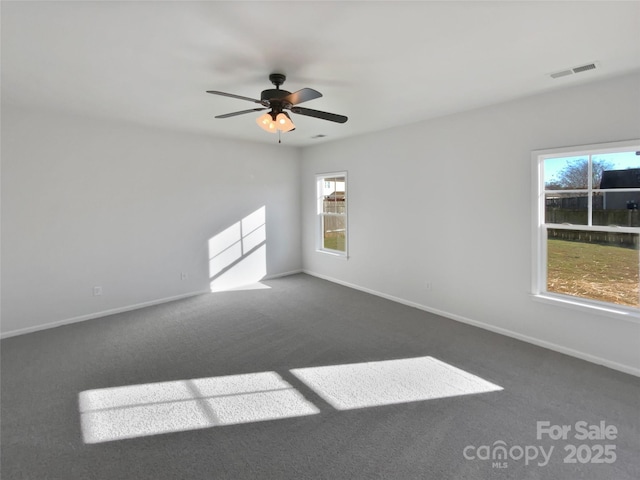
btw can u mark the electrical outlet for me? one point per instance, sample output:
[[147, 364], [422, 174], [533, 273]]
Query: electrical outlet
[[97, 291], [184, 276], [428, 286]]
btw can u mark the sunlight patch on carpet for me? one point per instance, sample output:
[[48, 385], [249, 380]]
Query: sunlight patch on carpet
[[132, 411], [371, 384], [117, 413]]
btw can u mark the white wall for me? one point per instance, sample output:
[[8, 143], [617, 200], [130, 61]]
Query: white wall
[[95, 203], [89, 202], [448, 202]]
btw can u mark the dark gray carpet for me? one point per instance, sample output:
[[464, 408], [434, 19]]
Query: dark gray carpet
[[304, 322]]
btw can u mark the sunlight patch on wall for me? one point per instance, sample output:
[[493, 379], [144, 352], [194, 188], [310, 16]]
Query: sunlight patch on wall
[[238, 255], [140, 410], [388, 382]]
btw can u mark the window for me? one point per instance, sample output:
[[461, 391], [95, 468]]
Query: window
[[332, 213], [587, 226]]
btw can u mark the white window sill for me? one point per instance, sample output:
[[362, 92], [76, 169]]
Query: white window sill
[[333, 253], [594, 307]]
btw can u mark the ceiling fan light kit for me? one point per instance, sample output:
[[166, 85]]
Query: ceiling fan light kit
[[276, 100], [273, 123]]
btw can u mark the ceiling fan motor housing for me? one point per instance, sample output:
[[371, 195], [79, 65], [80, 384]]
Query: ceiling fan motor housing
[[273, 94], [272, 98]]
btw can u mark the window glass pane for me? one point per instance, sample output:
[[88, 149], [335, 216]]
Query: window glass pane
[[567, 173], [596, 265], [617, 170], [327, 205], [334, 195], [334, 232], [570, 208], [332, 212], [616, 208]]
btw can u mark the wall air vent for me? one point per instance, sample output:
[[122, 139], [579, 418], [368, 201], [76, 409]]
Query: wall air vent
[[571, 71]]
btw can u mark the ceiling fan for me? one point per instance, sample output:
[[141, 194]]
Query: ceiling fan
[[277, 120]]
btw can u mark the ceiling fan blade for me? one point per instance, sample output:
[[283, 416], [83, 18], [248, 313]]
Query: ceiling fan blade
[[332, 117], [240, 97], [233, 114], [303, 95]]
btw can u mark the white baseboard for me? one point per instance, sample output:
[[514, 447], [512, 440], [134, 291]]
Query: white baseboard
[[502, 331], [284, 274], [91, 316], [104, 313]]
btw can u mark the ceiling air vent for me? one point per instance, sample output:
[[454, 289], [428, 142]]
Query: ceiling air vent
[[563, 73], [584, 68], [571, 71]]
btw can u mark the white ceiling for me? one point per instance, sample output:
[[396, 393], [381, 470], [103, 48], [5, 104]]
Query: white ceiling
[[382, 64]]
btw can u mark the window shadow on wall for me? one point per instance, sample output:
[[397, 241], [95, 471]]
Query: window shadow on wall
[[238, 254]]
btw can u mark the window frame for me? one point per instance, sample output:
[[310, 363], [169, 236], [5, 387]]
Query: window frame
[[320, 214], [539, 230]]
